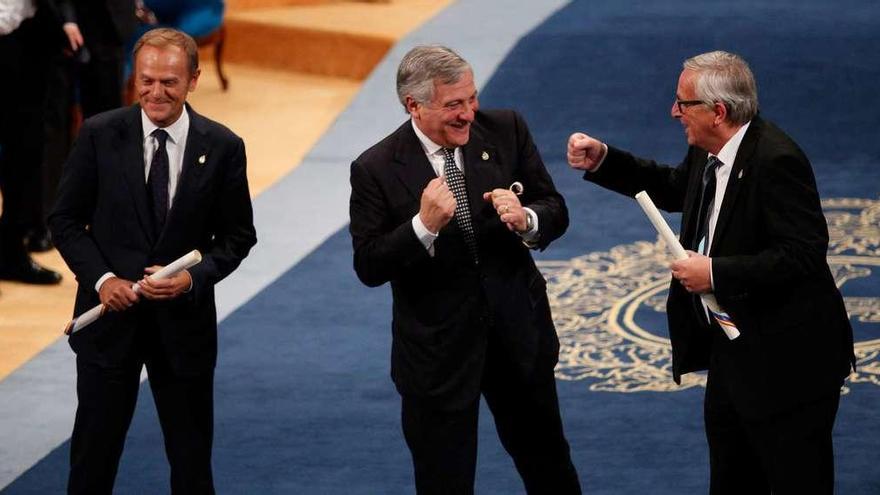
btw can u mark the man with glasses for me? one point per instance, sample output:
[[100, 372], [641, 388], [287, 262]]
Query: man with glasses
[[753, 220]]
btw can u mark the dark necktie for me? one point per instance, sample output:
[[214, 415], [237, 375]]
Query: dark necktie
[[707, 202], [455, 181], [701, 239], [157, 182]]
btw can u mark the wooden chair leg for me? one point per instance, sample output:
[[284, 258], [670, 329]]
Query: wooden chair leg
[[218, 56]]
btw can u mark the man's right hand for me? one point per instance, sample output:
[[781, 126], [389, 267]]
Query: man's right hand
[[116, 294], [585, 152], [437, 205]]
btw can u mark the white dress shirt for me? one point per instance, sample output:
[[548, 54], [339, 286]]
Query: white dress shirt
[[436, 157], [727, 155], [13, 13], [174, 146]]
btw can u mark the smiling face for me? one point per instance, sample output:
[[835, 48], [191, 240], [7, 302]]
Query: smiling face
[[698, 120], [162, 81], [447, 118]]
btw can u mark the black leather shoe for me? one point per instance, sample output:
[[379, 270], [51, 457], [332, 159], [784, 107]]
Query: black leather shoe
[[29, 272], [38, 241]]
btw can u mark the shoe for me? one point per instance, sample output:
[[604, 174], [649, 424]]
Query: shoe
[[38, 241], [29, 272]]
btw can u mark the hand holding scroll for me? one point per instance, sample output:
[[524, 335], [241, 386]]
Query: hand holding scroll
[[693, 273], [117, 298]]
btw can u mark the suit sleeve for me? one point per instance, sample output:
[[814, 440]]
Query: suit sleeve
[[627, 174], [383, 249], [74, 208], [794, 229], [232, 225], [540, 193]]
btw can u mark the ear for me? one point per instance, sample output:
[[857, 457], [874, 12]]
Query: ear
[[194, 80], [412, 106], [720, 110]]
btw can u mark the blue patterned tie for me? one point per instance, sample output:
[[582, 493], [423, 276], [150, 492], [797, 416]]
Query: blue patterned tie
[[707, 203], [157, 182], [455, 181]]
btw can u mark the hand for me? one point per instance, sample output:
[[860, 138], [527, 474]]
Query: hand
[[584, 152], [693, 273], [437, 205], [509, 209], [165, 289], [116, 294], [74, 36]]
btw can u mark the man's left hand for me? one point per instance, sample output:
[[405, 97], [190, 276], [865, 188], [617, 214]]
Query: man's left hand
[[509, 209], [693, 273], [163, 290]]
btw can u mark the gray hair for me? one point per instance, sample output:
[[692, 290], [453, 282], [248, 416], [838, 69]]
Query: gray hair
[[725, 77], [424, 64]]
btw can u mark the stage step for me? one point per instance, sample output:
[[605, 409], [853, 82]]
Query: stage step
[[340, 39]]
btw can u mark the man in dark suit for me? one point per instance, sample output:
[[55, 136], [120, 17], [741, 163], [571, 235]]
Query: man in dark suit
[[27, 30], [106, 27], [143, 186], [752, 216], [431, 212]]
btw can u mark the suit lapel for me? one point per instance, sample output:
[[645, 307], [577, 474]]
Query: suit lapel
[[412, 165], [130, 132], [740, 164], [196, 158], [479, 169]]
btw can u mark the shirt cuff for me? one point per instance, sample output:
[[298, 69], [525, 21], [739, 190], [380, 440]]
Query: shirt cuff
[[711, 278], [103, 279], [530, 237], [426, 237]]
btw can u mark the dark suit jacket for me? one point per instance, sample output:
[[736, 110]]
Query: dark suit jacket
[[102, 223], [101, 21], [444, 304], [769, 268]]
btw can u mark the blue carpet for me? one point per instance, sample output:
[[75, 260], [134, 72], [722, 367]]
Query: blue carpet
[[304, 400]]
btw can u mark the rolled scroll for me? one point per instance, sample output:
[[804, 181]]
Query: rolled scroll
[[678, 252], [186, 261]]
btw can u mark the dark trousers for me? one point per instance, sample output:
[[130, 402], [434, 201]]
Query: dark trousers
[[787, 453], [22, 65], [526, 412], [107, 398]]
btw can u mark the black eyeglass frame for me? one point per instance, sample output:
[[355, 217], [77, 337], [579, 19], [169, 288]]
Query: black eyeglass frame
[[682, 104]]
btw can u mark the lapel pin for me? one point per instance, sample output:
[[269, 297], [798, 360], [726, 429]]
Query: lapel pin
[[485, 156], [740, 176], [202, 160]]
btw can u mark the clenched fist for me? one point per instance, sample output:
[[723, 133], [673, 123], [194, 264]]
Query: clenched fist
[[437, 205], [584, 152]]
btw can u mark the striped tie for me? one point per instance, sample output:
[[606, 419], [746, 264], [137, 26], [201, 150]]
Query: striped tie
[[707, 203]]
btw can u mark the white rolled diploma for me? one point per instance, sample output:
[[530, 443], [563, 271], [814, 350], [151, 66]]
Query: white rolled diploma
[[679, 253], [186, 261]]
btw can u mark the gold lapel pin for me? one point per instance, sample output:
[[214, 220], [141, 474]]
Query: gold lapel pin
[[202, 160], [485, 156]]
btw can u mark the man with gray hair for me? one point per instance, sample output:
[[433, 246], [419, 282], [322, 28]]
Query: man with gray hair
[[758, 239], [446, 208]]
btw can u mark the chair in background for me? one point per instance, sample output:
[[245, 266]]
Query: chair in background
[[201, 19]]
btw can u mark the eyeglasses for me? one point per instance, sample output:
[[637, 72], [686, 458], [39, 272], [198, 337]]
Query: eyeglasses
[[682, 104]]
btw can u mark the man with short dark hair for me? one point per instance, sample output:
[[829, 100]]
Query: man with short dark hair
[[143, 186], [432, 213], [754, 223]]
